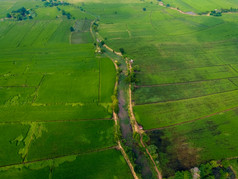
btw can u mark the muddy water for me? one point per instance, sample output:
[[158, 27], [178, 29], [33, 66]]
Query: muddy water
[[126, 128]]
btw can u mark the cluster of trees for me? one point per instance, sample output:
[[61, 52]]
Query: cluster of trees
[[219, 12], [213, 169], [21, 14], [72, 29], [216, 13], [95, 26], [131, 77], [51, 3], [229, 10], [67, 14]]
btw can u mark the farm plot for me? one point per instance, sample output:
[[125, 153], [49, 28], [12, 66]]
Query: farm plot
[[110, 162], [87, 165], [175, 112], [187, 145], [81, 32], [187, 75], [71, 88], [37, 112], [172, 92], [67, 138]]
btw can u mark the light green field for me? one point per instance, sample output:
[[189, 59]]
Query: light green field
[[175, 112], [201, 5], [67, 138]]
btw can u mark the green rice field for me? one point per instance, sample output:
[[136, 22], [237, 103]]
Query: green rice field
[[56, 91], [55, 97]]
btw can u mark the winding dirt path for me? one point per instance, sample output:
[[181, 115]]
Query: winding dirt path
[[173, 8], [110, 49], [151, 158], [115, 117]]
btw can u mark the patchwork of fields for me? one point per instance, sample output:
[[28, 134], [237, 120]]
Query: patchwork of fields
[[55, 98], [55, 91], [186, 94]]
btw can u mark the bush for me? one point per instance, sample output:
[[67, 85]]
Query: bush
[[72, 29], [122, 50]]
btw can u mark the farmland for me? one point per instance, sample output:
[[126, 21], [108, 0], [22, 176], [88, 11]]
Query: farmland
[[56, 91], [187, 80], [55, 97], [201, 6]]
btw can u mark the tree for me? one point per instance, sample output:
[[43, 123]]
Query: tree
[[72, 29], [101, 43], [9, 15], [122, 50]]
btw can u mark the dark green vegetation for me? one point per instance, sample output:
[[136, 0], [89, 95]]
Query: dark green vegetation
[[21, 14], [55, 96]]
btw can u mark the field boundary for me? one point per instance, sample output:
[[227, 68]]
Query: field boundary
[[182, 83], [50, 121], [37, 89], [191, 121]]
